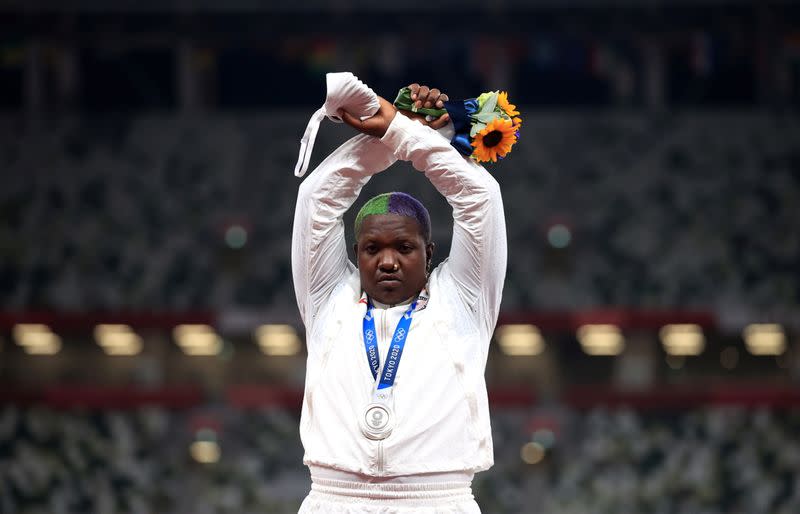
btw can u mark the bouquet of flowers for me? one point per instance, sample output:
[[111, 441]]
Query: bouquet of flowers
[[485, 127]]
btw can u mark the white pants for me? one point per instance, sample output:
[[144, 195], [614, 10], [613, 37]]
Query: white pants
[[353, 494]]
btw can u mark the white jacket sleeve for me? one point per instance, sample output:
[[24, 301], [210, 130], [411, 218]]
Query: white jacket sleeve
[[319, 253], [478, 253]]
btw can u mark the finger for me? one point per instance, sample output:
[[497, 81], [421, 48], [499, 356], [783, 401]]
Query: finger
[[442, 99], [439, 122], [414, 89], [426, 100], [433, 97], [422, 95]]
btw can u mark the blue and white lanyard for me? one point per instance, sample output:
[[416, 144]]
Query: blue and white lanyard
[[395, 350]]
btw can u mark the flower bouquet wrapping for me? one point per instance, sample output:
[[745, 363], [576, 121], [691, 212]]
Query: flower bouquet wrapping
[[486, 127]]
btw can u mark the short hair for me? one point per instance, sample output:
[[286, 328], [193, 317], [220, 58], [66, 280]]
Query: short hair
[[402, 204]]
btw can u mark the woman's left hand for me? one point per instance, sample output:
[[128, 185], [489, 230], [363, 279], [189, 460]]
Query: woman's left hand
[[431, 98]]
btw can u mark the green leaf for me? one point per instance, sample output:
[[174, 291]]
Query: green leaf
[[485, 117], [476, 127], [490, 103], [483, 97], [403, 99]]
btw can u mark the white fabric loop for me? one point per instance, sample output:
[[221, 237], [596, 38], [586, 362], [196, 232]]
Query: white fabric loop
[[345, 92], [307, 142]]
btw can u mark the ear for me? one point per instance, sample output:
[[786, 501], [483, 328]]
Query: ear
[[429, 254]]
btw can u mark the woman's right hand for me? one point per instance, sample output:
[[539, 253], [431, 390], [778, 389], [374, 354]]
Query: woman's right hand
[[378, 124]]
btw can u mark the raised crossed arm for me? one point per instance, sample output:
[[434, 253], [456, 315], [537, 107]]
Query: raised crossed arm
[[319, 255], [378, 124]]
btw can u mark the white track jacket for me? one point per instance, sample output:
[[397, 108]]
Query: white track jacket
[[440, 403]]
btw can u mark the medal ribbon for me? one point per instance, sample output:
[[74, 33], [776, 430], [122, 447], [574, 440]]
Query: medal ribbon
[[395, 349]]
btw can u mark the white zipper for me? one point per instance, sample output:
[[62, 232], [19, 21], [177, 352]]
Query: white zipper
[[381, 464]]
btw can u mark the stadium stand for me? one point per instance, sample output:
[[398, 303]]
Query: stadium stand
[[712, 460], [146, 151], [685, 209]]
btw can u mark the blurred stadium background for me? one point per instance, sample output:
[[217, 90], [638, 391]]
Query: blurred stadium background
[[646, 359]]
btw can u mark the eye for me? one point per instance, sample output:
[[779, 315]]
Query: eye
[[406, 248], [370, 249]]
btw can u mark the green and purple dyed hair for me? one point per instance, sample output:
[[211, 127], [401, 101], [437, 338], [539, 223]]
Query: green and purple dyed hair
[[396, 203]]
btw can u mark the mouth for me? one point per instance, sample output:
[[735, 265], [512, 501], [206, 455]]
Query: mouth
[[389, 280]]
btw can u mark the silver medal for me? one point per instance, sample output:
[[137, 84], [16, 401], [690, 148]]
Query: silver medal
[[377, 422]]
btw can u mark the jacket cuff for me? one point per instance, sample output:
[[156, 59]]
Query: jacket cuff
[[398, 131], [402, 128]]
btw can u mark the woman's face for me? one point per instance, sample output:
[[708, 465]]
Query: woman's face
[[392, 257]]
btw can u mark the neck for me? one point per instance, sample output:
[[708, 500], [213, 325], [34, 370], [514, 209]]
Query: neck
[[380, 305]]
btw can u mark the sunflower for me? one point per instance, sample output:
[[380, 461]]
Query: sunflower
[[502, 102], [494, 141]]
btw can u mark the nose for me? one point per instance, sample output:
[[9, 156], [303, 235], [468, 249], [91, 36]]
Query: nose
[[388, 262]]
